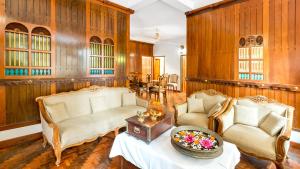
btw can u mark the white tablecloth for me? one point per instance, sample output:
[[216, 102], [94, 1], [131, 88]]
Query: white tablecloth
[[160, 154]]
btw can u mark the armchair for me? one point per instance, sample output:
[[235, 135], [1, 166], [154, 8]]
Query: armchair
[[207, 119], [255, 140]]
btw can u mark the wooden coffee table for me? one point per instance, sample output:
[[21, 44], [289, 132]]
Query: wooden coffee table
[[160, 154], [149, 130]]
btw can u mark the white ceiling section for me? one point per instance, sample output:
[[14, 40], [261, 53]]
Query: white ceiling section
[[167, 17]]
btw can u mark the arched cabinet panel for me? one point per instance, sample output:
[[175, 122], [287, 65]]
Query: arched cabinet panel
[[101, 57], [40, 52], [23, 59], [95, 58], [16, 50], [109, 57]]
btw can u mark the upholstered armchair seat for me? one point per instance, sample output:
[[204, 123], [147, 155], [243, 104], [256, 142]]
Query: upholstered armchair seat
[[258, 141], [194, 119], [202, 119], [252, 140]]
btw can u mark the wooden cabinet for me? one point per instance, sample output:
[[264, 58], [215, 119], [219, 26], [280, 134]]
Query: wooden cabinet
[[52, 46]]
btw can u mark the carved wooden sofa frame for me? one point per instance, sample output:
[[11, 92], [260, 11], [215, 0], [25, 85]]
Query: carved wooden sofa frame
[[56, 134], [282, 138], [211, 119]]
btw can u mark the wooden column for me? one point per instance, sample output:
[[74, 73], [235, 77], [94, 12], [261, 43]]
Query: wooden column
[[88, 34], [2, 105], [2, 36], [266, 21]]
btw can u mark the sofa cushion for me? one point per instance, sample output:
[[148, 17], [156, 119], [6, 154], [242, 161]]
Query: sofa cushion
[[273, 123], [129, 99], [194, 119], [195, 105], [277, 108], [209, 101], [216, 108], [77, 103], [264, 108], [114, 117], [246, 115], [76, 130], [57, 112], [98, 104], [251, 140], [113, 96]]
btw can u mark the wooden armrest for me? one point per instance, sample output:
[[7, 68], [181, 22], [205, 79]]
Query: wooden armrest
[[44, 113], [223, 115], [284, 137], [224, 107], [211, 119]]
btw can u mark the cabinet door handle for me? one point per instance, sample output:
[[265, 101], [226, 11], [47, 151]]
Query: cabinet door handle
[[136, 130]]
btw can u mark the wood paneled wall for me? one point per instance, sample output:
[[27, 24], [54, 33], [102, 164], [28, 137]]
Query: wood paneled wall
[[213, 35], [71, 23], [136, 51]]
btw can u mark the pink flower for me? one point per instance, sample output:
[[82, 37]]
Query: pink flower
[[206, 143], [189, 138]]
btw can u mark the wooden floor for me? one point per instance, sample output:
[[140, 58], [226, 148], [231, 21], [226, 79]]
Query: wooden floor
[[91, 155]]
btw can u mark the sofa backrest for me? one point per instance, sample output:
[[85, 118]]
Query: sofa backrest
[[210, 98], [78, 102], [265, 106], [112, 95]]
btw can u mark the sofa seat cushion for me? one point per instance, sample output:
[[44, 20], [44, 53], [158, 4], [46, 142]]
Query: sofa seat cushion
[[77, 129], [251, 140], [194, 119], [114, 117]]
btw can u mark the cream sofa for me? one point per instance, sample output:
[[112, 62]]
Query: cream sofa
[[259, 127], [214, 104], [72, 118]]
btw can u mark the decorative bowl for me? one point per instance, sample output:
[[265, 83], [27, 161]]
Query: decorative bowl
[[197, 142]]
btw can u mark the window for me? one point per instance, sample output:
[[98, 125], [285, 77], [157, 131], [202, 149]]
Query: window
[[251, 58]]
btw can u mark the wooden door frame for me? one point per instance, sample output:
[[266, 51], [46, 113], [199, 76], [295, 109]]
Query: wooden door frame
[[181, 72], [164, 71]]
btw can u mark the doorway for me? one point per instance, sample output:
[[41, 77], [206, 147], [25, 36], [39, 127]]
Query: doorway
[[183, 72], [156, 71], [146, 67]]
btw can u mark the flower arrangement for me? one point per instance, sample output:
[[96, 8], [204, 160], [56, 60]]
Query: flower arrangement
[[156, 105], [197, 140]]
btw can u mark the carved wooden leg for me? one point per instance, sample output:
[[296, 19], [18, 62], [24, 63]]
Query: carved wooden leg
[[58, 156], [116, 131], [279, 165], [44, 141]]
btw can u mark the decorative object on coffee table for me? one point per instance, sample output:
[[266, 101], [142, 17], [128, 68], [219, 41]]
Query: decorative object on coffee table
[[141, 116], [149, 129], [197, 142]]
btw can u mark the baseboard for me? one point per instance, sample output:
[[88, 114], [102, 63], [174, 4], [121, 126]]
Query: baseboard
[[18, 140]]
